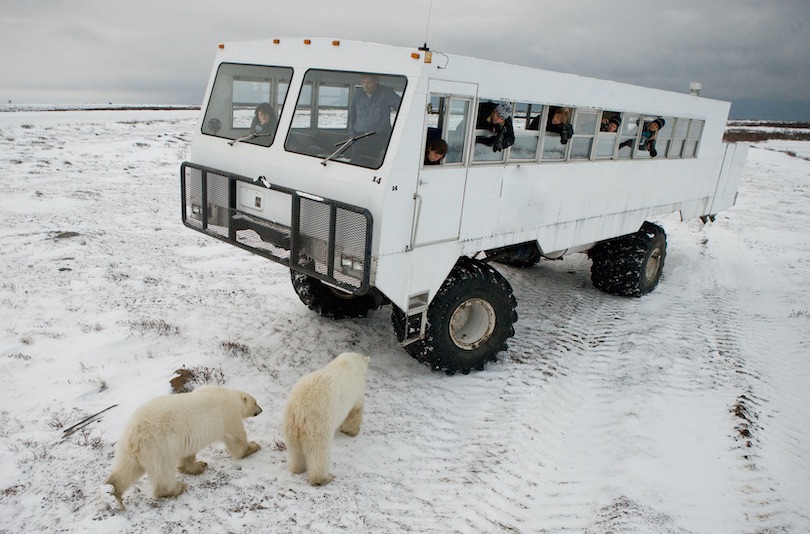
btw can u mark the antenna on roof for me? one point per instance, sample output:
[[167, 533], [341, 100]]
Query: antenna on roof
[[427, 27]]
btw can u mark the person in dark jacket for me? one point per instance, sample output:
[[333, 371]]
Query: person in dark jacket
[[264, 120], [648, 136], [496, 117], [370, 112], [558, 122]]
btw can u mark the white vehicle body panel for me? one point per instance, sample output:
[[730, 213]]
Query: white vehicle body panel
[[424, 218]]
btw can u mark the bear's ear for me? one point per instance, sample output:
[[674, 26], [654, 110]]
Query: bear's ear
[[245, 399], [367, 358]]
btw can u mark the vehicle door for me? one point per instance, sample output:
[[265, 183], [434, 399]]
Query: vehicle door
[[439, 195]]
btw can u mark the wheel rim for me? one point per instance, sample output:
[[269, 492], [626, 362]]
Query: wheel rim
[[653, 265], [472, 324]]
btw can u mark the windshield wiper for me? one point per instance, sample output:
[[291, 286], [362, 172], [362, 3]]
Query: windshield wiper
[[248, 137], [344, 145]]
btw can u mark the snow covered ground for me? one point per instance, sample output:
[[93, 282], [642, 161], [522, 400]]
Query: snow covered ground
[[682, 411]]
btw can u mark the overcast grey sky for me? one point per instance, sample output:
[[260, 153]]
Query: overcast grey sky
[[754, 53]]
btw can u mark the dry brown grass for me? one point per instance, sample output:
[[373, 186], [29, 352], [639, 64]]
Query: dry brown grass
[[754, 132]]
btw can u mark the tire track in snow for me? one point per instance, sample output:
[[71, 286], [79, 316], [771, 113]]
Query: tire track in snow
[[771, 404]]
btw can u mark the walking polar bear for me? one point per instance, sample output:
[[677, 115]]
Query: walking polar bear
[[319, 404], [167, 432]]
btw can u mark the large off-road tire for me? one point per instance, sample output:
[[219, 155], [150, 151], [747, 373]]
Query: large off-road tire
[[468, 321], [331, 302], [630, 265], [522, 255]]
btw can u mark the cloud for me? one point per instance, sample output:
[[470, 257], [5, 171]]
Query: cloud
[[154, 50]]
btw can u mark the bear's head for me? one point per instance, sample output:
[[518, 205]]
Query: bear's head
[[353, 360], [249, 406]]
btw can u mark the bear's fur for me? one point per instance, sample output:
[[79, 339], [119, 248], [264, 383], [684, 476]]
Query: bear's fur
[[319, 404], [167, 432]]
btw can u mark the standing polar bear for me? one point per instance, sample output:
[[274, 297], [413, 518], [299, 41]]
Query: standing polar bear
[[319, 404], [167, 432]]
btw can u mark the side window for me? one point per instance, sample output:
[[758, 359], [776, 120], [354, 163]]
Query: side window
[[447, 120], [246, 101], [457, 123], [610, 124], [628, 134], [526, 137], [693, 139], [585, 123], [665, 137], [556, 132], [679, 138], [482, 151]]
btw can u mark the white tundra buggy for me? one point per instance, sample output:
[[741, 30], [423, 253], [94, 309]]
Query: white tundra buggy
[[312, 153]]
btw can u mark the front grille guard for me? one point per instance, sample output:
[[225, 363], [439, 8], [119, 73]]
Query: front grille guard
[[327, 239]]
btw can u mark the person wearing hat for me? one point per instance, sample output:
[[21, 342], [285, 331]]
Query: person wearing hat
[[648, 136], [496, 118], [610, 125]]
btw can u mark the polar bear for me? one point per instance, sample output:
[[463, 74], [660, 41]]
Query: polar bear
[[167, 432], [319, 404]]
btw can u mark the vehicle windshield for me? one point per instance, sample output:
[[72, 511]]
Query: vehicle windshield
[[346, 117], [246, 102]]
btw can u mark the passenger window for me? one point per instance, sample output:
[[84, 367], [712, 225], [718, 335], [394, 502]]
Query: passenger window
[[557, 132], [483, 152], [445, 121], [693, 139], [629, 134], [526, 140], [679, 138], [610, 125], [585, 123], [664, 139], [641, 146], [456, 138]]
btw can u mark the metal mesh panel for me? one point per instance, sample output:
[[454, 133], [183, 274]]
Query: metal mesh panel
[[315, 222], [218, 206], [351, 245], [328, 240], [193, 197], [333, 241]]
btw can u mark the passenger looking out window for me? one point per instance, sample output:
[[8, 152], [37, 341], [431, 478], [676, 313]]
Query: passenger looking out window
[[610, 124], [648, 136], [559, 121], [264, 120], [435, 152], [496, 118]]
